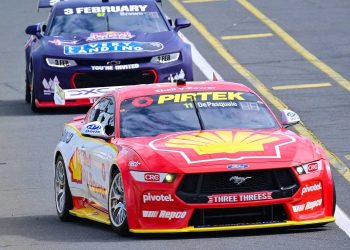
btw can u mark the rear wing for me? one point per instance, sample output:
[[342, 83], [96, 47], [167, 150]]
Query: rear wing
[[61, 95]]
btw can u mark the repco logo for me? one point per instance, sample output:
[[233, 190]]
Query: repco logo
[[151, 177]]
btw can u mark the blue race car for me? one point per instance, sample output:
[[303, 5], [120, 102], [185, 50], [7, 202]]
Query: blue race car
[[101, 43]]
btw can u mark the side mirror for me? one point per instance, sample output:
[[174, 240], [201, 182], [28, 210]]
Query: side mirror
[[289, 118], [97, 130], [33, 30], [181, 23]]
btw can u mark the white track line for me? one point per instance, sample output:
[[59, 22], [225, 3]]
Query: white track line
[[200, 61], [342, 219]]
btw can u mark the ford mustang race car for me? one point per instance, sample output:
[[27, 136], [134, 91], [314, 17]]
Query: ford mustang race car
[[188, 157], [95, 43]]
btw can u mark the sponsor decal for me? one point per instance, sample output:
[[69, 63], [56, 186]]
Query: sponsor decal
[[237, 166], [75, 167], [112, 47], [216, 104], [148, 177], [115, 67], [222, 142], [88, 92], [92, 129], [66, 136], [142, 101], [49, 85], [163, 214], [59, 42], [134, 164], [244, 197], [312, 167], [310, 205], [237, 180], [200, 96], [180, 89], [96, 188], [177, 76], [223, 145], [109, 35], [152, 177], [157, 198], [312, 188], [105, 9]]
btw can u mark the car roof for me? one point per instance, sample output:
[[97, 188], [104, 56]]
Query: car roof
[[166, 88], [83, 3]]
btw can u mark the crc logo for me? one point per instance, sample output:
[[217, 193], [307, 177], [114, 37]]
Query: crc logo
[[237, 180], [93, 127], [114, 63], [312, 167], [151, 177]]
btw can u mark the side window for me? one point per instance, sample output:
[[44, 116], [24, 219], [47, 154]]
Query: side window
[[104, 112]]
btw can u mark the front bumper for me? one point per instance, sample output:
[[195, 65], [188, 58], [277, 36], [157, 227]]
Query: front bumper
[[86, 76], [232, 228], [156, 207]]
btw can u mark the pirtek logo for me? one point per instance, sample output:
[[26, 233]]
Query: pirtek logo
[[239, 180]]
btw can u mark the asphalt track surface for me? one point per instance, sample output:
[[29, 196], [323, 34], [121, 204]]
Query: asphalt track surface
[[27, 213]]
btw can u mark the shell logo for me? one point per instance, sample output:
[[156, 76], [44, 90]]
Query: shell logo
[[76, 168], [204, 143]]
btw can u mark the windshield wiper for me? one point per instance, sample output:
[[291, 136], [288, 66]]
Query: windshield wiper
[[107, 20], [201, 124]]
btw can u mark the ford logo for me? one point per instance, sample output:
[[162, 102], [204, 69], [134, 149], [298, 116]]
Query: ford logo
[[237, 166], [93, 127]]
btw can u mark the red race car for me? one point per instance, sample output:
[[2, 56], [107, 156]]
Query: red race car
[[188, 157]]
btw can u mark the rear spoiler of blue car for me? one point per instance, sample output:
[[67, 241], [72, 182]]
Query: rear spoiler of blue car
[[50, 3]]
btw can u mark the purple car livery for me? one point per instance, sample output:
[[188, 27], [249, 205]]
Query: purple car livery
[[101, 43]]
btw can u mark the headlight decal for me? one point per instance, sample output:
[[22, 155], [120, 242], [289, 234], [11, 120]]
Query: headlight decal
[[166, 58], [60, 63]]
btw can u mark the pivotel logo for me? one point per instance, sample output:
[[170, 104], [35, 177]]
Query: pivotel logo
[[312, 188], [152, 177], [157, 198]]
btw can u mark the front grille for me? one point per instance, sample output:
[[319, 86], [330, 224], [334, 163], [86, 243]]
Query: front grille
[[195, 188], [120, 78], [82, 62], [238, 216]]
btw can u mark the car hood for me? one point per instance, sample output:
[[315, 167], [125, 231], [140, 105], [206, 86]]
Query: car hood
[[222, 150], [112, 45]]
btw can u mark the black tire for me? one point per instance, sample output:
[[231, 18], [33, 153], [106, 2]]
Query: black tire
[[117, 206], [33, 106], [63, 196], [27, 96]]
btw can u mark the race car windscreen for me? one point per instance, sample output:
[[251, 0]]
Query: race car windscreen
[[81, 20], [158, 114]]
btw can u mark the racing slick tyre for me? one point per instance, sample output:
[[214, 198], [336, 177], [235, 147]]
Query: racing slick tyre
[[32, 96], [27, 96], [117, 206], [63, 196]]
